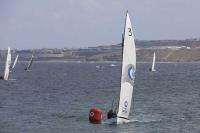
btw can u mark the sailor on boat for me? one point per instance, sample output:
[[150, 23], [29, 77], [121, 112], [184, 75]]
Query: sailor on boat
[[111, 114]]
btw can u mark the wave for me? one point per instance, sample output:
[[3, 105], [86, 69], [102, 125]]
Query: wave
[[135, 120], [12, 79]]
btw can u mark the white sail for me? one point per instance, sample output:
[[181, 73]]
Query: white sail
[[30, 63], [7, 65], [153, 63], [15, 62], [128, 73]]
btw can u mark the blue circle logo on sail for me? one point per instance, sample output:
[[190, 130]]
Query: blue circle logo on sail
[[126, 104], [131, 73]]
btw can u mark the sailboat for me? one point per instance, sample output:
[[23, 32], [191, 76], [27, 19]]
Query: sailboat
[[127, 75], [29, 64], [7, 66], [112, 65], [153, 63], [15, 62]]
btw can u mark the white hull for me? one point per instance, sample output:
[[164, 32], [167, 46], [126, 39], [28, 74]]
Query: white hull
[[28, 70], [118, 120], [153, 70], [112, 65], [122, 121]]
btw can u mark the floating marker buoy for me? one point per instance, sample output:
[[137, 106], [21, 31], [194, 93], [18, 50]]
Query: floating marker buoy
[[95, 115]]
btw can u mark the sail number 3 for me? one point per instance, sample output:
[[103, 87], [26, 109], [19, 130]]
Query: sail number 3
[[130, 32]]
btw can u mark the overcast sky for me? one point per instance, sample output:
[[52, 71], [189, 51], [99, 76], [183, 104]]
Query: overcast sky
[[81, 23]]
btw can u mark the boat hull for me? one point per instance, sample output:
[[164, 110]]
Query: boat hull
[[152, 70], [118, 120]]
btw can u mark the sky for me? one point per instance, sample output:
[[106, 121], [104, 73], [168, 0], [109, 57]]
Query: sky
[[28, 24]]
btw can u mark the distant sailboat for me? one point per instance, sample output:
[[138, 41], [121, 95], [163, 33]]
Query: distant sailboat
[[127, 76], [29, 64], [112, 65], [153, 63], [99, 67], [7, 66], [15, 62]]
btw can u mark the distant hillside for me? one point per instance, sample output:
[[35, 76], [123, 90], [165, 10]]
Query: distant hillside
[[193, 43], [166, 50]]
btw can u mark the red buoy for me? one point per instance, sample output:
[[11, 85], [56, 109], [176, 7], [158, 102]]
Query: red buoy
[[95, 115]]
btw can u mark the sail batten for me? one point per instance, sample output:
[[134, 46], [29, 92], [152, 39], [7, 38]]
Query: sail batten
[[128, 71]]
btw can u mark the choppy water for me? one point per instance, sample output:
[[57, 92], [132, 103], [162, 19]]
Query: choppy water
[[56, 98]]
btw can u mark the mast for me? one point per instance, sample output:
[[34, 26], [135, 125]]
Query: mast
[[121, 64], [122, 51]]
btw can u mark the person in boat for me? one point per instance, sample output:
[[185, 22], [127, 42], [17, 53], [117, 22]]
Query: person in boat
[[111, 114]]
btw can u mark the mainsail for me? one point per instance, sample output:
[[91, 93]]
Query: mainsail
[[7, 65], [30, 63], [153, 63], [15, 62], [128, 72]]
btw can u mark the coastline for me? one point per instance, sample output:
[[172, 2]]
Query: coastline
[[105, 62]]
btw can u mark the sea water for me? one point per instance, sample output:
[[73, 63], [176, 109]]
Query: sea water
[[56, 98]]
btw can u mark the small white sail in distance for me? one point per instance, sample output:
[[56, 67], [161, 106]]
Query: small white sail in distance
[[128, 73], [7, 65], [15, 62], [153, 63], [30, 63]]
